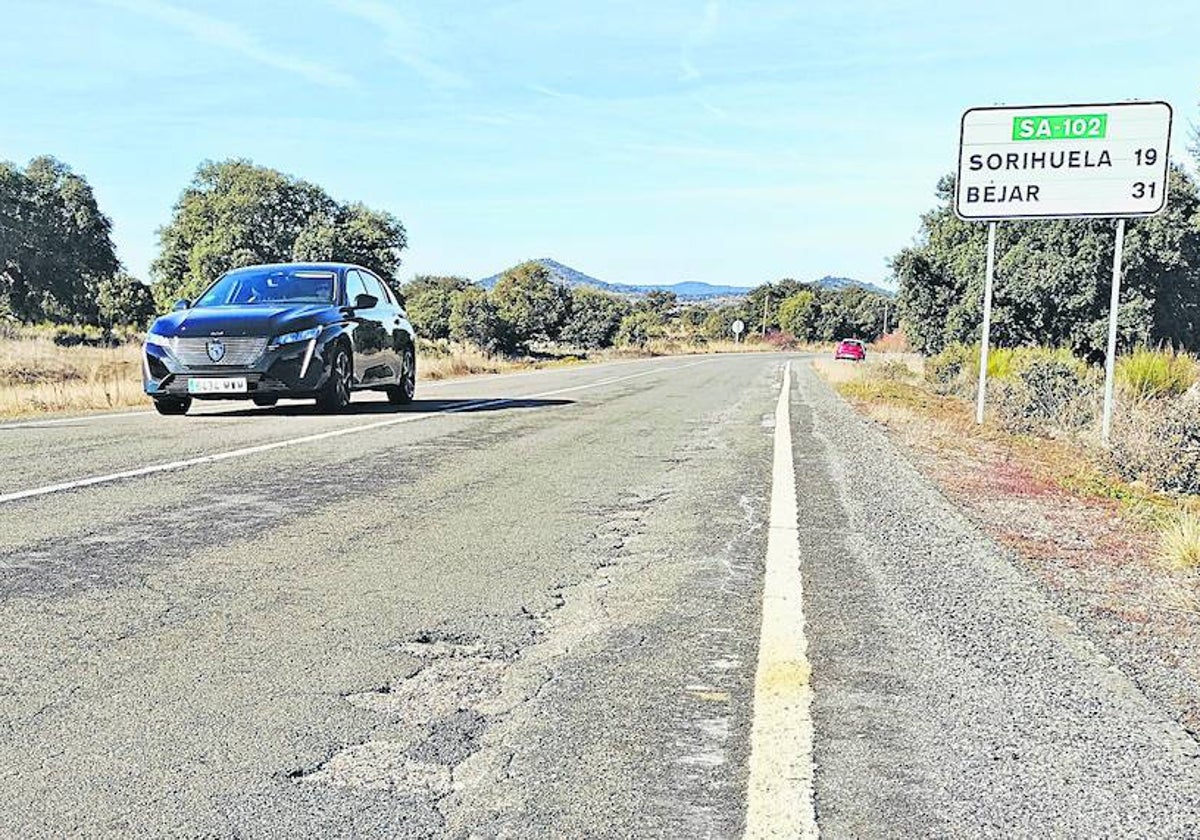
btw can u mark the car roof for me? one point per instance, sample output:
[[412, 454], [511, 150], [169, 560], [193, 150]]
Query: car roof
[[299, 266]]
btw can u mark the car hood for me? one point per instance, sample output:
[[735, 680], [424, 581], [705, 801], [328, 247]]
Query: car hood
[[267, 321]]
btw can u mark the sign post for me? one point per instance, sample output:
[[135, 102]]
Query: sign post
[[736, 328], [1110, 358], [1105, 160], [987, 321]]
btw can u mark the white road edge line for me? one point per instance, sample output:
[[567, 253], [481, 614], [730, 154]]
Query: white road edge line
[[779, 795], [313, 438]]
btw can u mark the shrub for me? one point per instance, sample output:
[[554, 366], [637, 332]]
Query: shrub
[[949, 371], [1155, 373], [1158, 441], [781, 340], [82, 336], [893, 370], [1044, 392]]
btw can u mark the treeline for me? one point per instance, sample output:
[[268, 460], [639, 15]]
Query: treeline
[[58, 265], [528, 307], [1053, 279]]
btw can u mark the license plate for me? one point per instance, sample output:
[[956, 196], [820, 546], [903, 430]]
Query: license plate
[[215, 385]]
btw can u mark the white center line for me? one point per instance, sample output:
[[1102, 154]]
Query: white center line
[[779, 796], [313, 438]]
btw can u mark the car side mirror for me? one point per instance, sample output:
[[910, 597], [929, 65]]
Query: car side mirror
[[182, 304], [366, 302]]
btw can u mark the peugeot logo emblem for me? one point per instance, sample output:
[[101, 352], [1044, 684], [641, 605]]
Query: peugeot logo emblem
[[216, 350]]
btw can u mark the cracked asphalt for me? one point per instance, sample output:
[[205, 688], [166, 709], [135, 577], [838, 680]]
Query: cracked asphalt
[[538, 618]]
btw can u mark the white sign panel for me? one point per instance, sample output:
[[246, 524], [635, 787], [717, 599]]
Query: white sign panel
[[737, 326], [1063, 161]]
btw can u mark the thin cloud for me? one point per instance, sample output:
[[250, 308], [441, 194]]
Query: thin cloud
[[402, 37], [553, 93], [698, 37], [229, 36]]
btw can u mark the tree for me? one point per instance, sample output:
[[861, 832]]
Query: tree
[[124, 301], [797, 315], [719, 323], [768, 298], [531, 303], [693, 316], [354, 234], [55, 244], [637, 328], [235, 214], [594, 318], [475, 319], [659, 303], [1053, 278], [429, 302]]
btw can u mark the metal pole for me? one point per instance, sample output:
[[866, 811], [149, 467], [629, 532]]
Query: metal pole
[[766, 300], [987, 321], [1110, 361]]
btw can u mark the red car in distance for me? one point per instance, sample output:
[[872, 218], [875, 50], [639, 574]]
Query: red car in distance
[[852, 349]]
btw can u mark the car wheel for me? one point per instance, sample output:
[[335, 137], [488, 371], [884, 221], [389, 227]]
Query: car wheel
[[265, 401], [172, 405], [335, 394], [402, 394]]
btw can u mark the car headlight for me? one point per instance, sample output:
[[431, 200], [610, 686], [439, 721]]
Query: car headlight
[[158, 340], [295, 337]]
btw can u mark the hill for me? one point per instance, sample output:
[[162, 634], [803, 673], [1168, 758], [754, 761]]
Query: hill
[[688, 290]]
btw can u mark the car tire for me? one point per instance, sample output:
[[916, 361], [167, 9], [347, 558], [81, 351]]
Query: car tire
[[265, 401], [402, 394], [334, 395], [172, 405]]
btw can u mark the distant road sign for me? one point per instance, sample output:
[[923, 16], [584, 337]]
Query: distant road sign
[[738, 326], [1063, 161]]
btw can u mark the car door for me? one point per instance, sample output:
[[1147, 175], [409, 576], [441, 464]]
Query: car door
[[395, 321], [372, 341]]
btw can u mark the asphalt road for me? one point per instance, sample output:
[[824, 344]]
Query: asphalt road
[[530, 606]]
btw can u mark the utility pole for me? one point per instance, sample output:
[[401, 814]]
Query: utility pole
[[766, 300]]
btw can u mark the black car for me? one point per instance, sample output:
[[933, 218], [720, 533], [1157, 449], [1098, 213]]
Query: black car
[[318, 330]]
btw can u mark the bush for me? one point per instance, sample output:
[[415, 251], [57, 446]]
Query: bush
[[1155, 373], [82, 336], [893, 370], [1158, 442], [1044, 392], [950, 370], [781, 340]]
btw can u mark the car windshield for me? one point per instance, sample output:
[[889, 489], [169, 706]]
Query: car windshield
[[270, 286]]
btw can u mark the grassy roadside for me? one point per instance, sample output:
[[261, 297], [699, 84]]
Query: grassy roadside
[[39, 376], [1123, 557]]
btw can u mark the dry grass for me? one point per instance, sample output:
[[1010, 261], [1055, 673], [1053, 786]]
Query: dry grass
[[1179, 541], [37, 376], [464, 361]]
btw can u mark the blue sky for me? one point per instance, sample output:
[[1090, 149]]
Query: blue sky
[[641, 142]]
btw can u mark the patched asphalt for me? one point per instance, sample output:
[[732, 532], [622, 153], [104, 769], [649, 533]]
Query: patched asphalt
[[535, 620]]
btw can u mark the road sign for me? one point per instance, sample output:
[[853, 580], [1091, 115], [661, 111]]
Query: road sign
[[1063, 161], [738, 326]]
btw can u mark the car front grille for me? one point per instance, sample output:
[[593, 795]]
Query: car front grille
[[239, 351]]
